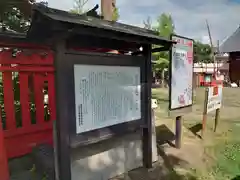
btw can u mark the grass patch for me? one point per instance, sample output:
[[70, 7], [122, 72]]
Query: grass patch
[[223, 148], [227, 152]]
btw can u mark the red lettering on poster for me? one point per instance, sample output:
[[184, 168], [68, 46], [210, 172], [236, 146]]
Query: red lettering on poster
[[189, 43], [190, 57]]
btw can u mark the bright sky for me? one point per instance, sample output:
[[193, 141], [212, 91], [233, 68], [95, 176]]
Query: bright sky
[[189, 15]]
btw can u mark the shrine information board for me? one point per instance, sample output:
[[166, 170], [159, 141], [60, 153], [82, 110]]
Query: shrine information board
[[181, 73], [106, 96]]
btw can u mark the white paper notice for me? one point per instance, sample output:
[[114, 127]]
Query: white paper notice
[[214, 100], [106, 95], [182, 74]]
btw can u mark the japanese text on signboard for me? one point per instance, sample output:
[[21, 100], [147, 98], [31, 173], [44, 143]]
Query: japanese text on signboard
[[106, 96], [181, 88], [214, 99]]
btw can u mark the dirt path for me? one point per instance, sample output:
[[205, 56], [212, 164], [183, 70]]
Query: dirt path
[[191, 154], [173, 163]]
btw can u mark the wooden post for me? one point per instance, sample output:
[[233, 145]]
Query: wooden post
[[204, 120], [107, 7], [147, 112], [4, 173], [56, 153], [154, 139], [217, 115], [178, 132]]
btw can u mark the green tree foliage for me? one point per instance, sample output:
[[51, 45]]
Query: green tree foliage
[[115, 14], [15, 14], [202, 52], [165, 27]]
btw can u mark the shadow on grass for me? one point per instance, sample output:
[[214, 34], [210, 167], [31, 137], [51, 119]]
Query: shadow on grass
[[195, 129], [162, 170], [165, 135], [236, 178]]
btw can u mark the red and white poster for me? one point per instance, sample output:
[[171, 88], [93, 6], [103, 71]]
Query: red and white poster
[[181, 78], [214, 99]]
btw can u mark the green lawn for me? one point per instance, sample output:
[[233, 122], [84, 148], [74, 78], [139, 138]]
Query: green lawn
[[222, 149]]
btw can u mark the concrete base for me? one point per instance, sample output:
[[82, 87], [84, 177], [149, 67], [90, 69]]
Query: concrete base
[[154, 139], [107, 159], [110, 158]]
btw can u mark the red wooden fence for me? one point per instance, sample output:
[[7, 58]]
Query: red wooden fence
[[4, 174], [25, 76]]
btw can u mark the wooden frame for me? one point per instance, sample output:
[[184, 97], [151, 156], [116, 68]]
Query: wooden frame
[[93, 59], [185, 109], [65, 95]]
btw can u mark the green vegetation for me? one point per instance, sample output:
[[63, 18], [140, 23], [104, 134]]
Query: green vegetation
[[202, 52], [221, 159], [227, 152], [164, 27], [14, 15], [115, 14]]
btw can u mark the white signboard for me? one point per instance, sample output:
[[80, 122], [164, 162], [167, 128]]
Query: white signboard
[[181, 89], [214, 99], [106, 95]]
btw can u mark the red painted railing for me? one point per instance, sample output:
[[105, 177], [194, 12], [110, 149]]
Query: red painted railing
[[4, 173], [25, 77], [27, 120]]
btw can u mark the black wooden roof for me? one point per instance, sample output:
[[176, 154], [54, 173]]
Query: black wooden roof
[[47, 21], [7, 38]]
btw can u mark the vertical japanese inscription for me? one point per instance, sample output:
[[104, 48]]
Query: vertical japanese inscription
[[108, 95], [80, 115]]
